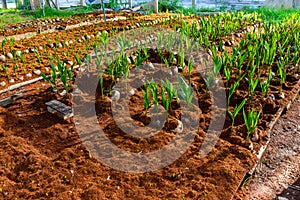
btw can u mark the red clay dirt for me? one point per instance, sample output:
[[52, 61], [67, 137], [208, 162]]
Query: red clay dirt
[[43, 157]]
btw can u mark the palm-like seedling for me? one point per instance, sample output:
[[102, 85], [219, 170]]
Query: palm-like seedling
[[2, 45], [235, 112], [233, 88], [65, 75], [171, 90], [227, 73], [281, 72], [4, 68], [52, 79], [190, 68], [251, 120], [185, 92], [265, 84], [154, 93], [146, 97], [165, 101]]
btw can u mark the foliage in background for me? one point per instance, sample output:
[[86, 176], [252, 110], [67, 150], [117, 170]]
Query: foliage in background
[[275, 15]]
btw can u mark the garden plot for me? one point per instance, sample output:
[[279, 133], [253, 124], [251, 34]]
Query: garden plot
[[51, 157]]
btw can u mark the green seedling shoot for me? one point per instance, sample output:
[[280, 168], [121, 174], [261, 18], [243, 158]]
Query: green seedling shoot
[[235, 112], [166, 102], [251, 120], [154, 93], [52, 79], [146, 97], [185, 92], [265, 84]]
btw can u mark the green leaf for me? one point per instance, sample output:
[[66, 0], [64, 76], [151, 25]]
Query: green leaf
[[240, 106]]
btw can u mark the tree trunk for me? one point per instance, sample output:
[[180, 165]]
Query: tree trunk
[[194, 4], [4, 4], [155, 6]]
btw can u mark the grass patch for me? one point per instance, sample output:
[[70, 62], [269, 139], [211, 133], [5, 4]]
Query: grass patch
[[274, 15], [13, 16]]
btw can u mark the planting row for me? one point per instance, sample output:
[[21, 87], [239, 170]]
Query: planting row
[[57, 23], [255, 80], [20, 63]]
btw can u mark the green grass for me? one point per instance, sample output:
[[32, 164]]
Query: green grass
[[275, 15], [12, 16], [50, 12]]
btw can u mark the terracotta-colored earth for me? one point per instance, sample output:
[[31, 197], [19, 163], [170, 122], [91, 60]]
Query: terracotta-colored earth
[[43, 156]]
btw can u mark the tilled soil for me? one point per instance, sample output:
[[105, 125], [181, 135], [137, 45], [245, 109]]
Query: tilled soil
[[43, 157]]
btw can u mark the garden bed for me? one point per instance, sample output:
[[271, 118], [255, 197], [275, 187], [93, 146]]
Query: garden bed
[[47, 157], [42, 25]]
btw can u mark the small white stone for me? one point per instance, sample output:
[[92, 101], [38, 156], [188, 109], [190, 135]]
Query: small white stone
[[281, 95], [70, 62], [150, 66], [12, 80], [21, 78], [115, 95], [2, 58], [60, 45], [2, 83], [18, 53], [47, 69], [250, 146], [70, 42], [26, 51], [63, 93], [37, 72], [179, 128], [131, 92], [29, 75], [9, 55], [40, 48]]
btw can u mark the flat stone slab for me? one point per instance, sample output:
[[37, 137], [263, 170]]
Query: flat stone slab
[[61, 109], [9, 100]]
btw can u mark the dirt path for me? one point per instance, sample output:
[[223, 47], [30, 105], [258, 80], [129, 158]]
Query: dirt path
[[280, 166]]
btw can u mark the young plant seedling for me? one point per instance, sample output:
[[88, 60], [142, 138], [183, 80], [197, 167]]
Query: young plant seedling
[[146, 97], [265, 84], [235, 112], [185, 92], [251, 121], [52, 80]]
